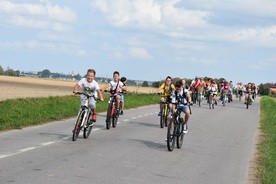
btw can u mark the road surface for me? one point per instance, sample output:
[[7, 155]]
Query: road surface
[[216, 150]]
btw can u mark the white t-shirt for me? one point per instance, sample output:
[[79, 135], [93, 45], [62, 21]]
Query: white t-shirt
[[180, 94], [89, 87], [113, 86]]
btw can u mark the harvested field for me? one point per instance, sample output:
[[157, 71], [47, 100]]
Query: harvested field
[[23, 87]]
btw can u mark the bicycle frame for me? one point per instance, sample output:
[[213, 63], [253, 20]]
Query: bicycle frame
[[83, 118], [112, 115]]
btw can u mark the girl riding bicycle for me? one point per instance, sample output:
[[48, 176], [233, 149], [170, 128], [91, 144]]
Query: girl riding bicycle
[[90, 86]]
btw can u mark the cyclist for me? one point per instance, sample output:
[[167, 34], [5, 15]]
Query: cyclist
[[123, 80], [207, 89], [200, 87], [214, 90], [182, 95], [248, 93], [193, 89], [167, 87], [116, 87], [89, 86]]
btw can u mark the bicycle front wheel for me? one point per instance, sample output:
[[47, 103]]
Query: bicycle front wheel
[[162, 119], [78, 127], [170, 136], [87, 130], [180, 135], [108, 115]]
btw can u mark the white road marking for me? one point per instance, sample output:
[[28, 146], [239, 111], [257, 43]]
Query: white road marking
[[53, 142]]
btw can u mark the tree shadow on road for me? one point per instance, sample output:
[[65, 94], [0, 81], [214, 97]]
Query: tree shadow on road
[[150, 144]]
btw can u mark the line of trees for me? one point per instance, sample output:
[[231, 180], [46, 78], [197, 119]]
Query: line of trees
[[263, 88]]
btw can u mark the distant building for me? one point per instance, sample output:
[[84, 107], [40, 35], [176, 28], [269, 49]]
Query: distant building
[[272, 88]]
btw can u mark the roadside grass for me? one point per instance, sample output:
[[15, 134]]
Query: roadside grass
[[267, 168], [19, 113]]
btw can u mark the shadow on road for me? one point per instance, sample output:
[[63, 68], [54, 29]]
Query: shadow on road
[[150, 144]]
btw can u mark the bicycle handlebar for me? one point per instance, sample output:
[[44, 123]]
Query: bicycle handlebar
[[112, 92], [87, 95]]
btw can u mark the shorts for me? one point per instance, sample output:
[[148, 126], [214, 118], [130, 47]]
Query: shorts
[[183, 108], [91, 103], [122, 98]]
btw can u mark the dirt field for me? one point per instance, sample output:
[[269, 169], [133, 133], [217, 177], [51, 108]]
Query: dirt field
[[22, 87]]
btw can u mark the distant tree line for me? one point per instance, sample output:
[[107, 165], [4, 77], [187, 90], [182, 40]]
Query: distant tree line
[[263, 88]]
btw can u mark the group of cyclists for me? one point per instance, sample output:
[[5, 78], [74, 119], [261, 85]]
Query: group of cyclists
[[173, 93], [89, 86]]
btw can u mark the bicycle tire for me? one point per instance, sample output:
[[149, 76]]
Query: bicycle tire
[[247, 102], [171, 136], [114, 121], [77, 126], [87, 130], [162, 119], [108, 115], [180, 136]]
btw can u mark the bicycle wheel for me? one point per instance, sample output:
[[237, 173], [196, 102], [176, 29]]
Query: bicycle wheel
[[180, 135], [87, 130], [108, 115], [247, 101], [171, 136], [166, 118], [78, 127], [162, 119], [114, 121], [114, 116]]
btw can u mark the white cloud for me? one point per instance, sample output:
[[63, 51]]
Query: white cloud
[[137, 52], [268, 64], [263, 8], [149, 14], [38, 16], [48, 11]]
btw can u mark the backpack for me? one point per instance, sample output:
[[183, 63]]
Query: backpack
[[184, 95]]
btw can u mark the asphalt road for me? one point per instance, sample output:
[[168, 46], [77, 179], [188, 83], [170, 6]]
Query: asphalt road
[[216, 150]]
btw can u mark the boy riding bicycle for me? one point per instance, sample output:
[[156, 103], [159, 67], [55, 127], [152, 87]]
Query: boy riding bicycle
[[167, 87], [181, 95], [116, 87], [90, 86]]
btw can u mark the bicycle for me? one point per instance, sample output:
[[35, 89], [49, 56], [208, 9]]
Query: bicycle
[[211, 101], [175, 129], [164, 111], [112, 115], [224, 97], [83, 119], [248, 100]]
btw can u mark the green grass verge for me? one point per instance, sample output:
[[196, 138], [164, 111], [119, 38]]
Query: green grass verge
[[268, 145], [19, 113]]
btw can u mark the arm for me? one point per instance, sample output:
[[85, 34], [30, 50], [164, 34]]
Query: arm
[[76, 88], [100, 95]]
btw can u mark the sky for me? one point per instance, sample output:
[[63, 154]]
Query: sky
[[142, 39]]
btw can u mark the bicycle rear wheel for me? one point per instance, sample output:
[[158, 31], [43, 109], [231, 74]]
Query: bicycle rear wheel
[[87, 130], [180, 136], [171, 136], [78, 127]]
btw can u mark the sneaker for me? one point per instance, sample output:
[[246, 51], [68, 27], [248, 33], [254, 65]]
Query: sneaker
[[159, 114], [185, 129], [94, 117]]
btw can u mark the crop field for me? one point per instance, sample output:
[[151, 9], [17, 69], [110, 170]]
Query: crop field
[[23, 87]]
